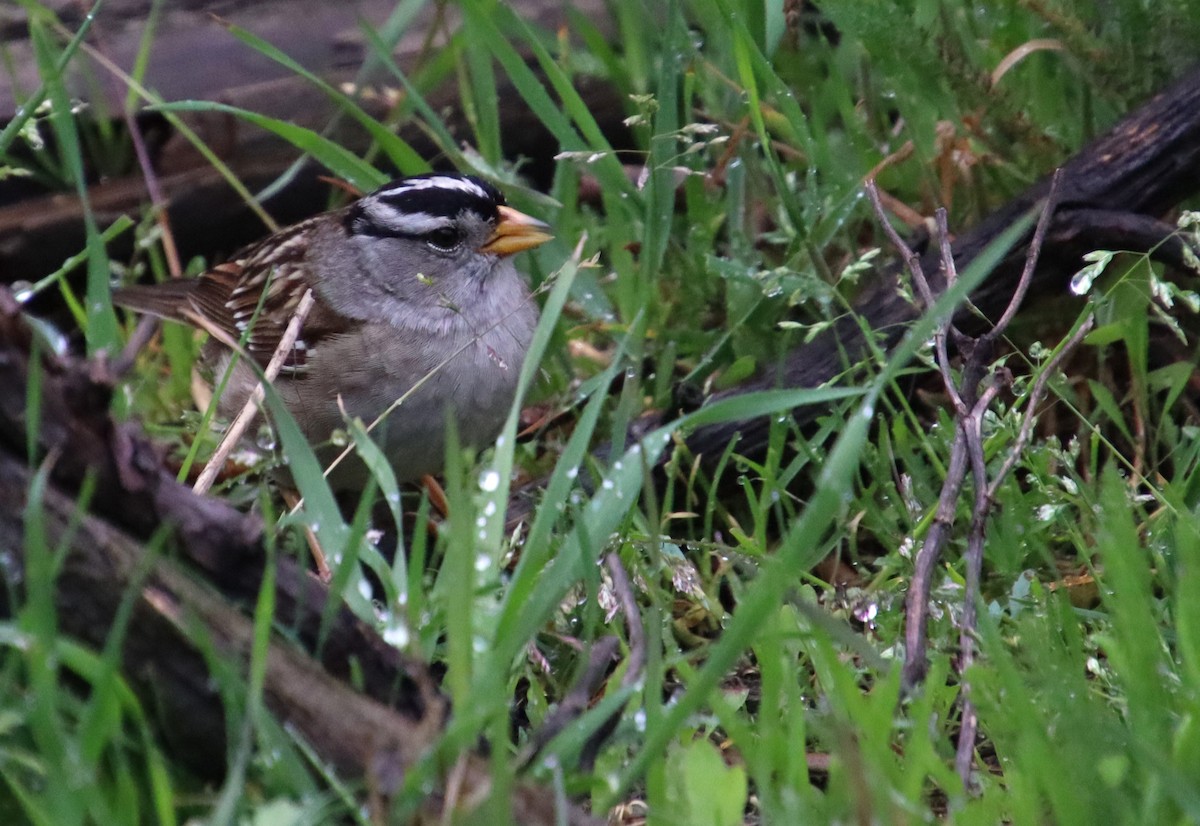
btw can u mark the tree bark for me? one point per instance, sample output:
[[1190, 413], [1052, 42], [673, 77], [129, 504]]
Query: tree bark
[[193, 56], [1111, 196]]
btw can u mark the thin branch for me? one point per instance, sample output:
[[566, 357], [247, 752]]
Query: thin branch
[[1031, 259], [237, 427], [911, 259], [633, 619], [963, 393], [916, 602], [972, 427], [634, 666], [1036, 394], [146, 327], [966, 450], [603, 652], [963, 396], [575, 702]]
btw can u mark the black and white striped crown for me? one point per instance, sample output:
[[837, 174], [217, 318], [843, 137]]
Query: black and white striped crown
[[423, 204]]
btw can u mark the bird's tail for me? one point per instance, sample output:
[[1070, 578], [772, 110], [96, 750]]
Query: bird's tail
[[165, 300]]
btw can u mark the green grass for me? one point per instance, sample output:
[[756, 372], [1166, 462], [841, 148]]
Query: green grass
[[771, 688]]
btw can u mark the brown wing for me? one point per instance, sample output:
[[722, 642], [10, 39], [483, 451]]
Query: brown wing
[[229, 295]]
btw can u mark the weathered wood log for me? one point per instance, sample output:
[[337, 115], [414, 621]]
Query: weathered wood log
[[195, 57], [1111, 196]]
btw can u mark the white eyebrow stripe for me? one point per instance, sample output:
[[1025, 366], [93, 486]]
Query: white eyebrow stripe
[[436, 182], [408, 223]]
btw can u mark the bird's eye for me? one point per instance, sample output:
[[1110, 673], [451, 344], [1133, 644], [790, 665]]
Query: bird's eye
[[444, 239]]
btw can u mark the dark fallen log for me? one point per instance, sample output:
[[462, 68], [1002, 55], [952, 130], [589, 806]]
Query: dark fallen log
[[191, 56], [1110, 197], [374, 735], [195, 57], [161, 646]]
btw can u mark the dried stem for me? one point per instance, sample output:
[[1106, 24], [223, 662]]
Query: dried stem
[[913, 262], [633, 619], [250, 409], [603, 652], [1036, 394], [966, 451]]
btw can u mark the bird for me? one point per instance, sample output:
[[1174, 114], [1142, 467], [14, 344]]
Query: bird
[[418, 310]]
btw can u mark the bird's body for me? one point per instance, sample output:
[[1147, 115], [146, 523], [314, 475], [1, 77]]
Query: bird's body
[[470, 377], [419, 311]]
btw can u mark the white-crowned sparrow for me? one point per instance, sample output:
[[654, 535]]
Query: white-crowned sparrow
[[412, 284]]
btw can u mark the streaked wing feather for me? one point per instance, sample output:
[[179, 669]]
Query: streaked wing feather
[[229, 294]]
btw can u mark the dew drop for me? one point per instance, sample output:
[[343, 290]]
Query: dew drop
[[1081, 282], [489, 480], [396, 635], [264, 439]]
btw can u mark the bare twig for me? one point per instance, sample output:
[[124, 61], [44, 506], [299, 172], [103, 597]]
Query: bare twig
[[966, 450], [913, 262], [146, 327], [916, 602], [985, 497], [985, 490], [911, 259], [634, 666], [250, 409], [1031, 259], [603, 652], [961, 393], [973, 428], [576, 701], [633, 618], [1036, 394]]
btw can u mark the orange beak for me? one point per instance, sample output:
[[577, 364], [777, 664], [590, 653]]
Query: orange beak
[[516, 232]]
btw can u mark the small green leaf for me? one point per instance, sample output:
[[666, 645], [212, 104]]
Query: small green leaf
[[704, 790]]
